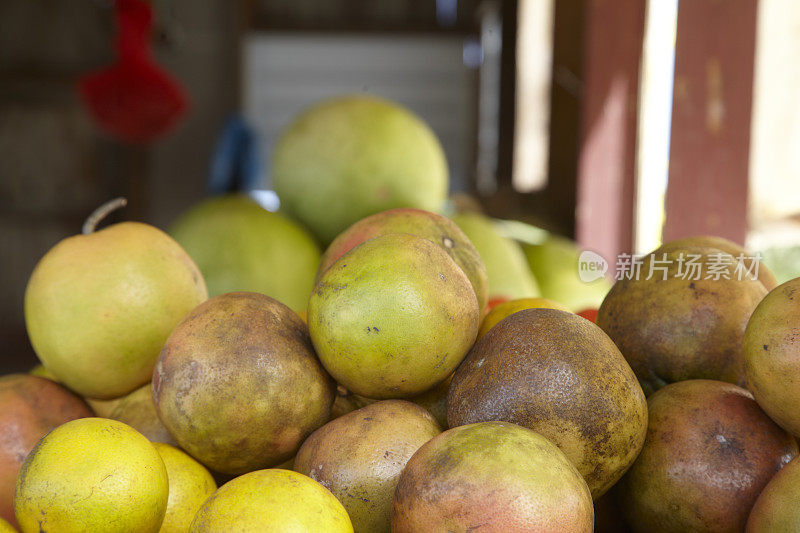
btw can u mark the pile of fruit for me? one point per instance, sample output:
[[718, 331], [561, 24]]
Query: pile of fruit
[[411, 378]]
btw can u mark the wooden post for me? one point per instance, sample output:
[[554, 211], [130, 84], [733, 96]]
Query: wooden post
[[710, 139], [607, 159]]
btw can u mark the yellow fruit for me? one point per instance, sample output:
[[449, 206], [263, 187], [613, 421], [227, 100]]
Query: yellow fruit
[[555, 264], [393, 317], [272, 501], [190, 484], [5, 527], [509, 308], [771, 347], [99, 307], [92, 474], [506, 268]]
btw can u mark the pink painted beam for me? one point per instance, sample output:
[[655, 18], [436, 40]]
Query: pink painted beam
[[607, 159], [710, 139]]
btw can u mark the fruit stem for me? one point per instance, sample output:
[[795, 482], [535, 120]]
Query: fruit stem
[[101, 212]]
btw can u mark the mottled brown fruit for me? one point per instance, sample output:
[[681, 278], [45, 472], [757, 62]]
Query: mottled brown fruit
[[559, 375], [238, 385], [30, 406], [751, 262], [359, 457], [674, 329], [710, 449], [138, 410], [772, 355], [491, 477], [440, 230], [777, 509]]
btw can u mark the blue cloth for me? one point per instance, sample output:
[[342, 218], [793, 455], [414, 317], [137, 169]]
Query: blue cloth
[[235, 164]]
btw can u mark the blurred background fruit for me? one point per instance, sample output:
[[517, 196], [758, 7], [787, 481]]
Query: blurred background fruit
[[555, 263], [353, 156], [506, 268], [240, 246]]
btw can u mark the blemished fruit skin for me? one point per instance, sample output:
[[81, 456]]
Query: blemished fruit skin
[[190, 485], [138, 410], [238, 384], [99, 307], [240, 246], [709, 452], [504, 309], [393, 317], [765, 276], [359, 457], [494, 477], [30, 407], [438, 229], [772, 355], [506, 268], [561, 376], [271, 501], [675, 329], [352, 156], [777, 509], [92, 474]]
